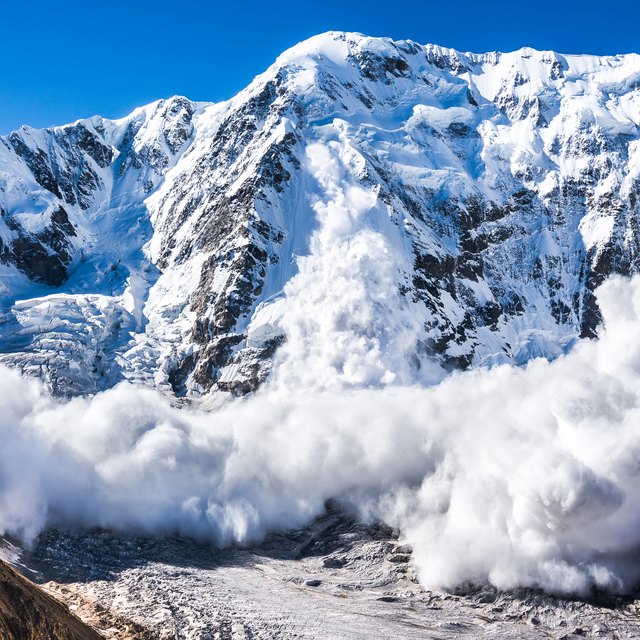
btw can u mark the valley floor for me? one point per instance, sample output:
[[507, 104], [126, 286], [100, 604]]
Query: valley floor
[[336, 579]]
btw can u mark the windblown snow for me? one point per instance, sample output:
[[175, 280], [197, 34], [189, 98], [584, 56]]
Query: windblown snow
[[348, 260]]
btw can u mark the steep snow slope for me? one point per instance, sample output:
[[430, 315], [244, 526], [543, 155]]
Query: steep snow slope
[[395, 210]]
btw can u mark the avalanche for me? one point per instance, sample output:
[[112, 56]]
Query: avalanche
[[337, 243], [516, 476]]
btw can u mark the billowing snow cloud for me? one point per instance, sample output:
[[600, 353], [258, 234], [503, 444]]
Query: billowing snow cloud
[[518, 476], [346, 324], [524, 476]]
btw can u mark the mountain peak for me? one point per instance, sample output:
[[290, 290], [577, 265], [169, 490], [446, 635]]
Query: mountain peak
[[183, 242]]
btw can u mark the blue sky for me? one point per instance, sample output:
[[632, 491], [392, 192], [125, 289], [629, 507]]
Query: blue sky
[[64, 59]]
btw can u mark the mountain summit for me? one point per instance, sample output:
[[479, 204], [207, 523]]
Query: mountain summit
[[366, 212]]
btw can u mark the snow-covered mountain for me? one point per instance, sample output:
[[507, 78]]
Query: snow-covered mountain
[[382, 211]]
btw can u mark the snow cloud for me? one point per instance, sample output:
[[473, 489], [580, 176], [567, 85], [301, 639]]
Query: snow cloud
[[517, 476]]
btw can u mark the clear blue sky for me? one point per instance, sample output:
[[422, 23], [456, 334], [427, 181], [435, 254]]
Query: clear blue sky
[[65, 59]]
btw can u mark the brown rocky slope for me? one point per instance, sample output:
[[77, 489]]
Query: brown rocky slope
[[27, 613]]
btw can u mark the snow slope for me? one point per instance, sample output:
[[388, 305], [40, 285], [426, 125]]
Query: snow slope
[[386, 211]]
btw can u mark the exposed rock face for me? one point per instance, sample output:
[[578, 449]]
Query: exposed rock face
[[27, 613], [44, 255], [504, 186]]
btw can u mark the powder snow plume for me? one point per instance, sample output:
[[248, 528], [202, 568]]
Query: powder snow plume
[[516, 476]]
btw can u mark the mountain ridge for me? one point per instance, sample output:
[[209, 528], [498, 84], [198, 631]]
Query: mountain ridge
[[173, 237]]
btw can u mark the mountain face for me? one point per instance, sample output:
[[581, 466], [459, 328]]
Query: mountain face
[[384, 210]]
